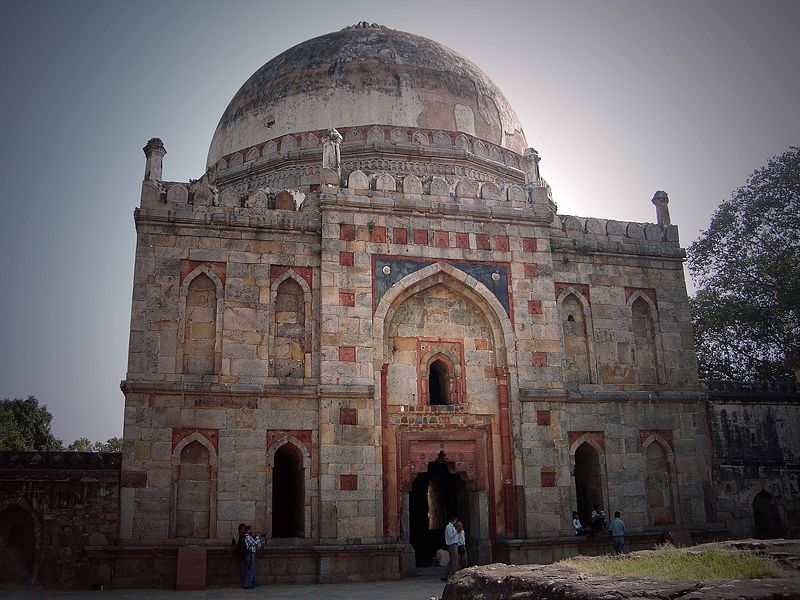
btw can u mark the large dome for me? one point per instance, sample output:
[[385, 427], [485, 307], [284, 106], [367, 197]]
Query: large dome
[[366, 75]]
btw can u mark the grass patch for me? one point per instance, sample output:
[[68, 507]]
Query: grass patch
[[668, 563]]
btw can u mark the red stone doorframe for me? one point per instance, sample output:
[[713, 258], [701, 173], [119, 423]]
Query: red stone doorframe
[[509, 495], [468, 451]]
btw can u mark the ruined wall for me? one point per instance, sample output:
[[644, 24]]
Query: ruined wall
[[58, 510], [756, 445]]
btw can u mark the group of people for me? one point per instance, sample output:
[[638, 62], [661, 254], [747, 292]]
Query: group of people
[[455, 557], [598, 525], [245, 550]]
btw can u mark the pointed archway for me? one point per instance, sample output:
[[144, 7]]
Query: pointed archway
[[436, 495], [17, 546]]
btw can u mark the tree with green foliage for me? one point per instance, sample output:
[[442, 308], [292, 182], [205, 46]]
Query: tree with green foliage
[[83, 444], [746, 265], [25, 426]]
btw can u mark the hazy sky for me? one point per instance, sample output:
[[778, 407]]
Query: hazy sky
[[620, 99]]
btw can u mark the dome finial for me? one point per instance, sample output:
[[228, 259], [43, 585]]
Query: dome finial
[[364, 25]]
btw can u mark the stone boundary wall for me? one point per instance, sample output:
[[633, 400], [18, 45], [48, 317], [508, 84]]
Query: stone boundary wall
[[755, 431], [72, 499]]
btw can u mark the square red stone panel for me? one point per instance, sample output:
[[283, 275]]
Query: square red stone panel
[[378, 235], [501, 243], [482, 241], [348, 416], [399, 235], [528, 244], [548, 478], [348, 483], [462, 240], [347, 232], [347, 299], [346, 259], [421, 236], [441, 239], [531, 270], [543, 417], [347, 353], [535, 307], [539, 359]]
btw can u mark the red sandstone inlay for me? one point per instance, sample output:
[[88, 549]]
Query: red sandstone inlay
[[534, 307], [501, 243], [548, 477], [378, 235], [399, 235], [665, 434], [543, 417], [539, 359], [348, 416], [347, 232], [301, 435], [421, 237], [346, 259], [347, 353], [531, 270], [482, 241], [581, 288], [348, 483], [528, 244], [347, 299], [179, 433], [462, 240]]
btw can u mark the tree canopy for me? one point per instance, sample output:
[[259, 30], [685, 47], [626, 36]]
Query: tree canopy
[[25, 426], [746, 265]]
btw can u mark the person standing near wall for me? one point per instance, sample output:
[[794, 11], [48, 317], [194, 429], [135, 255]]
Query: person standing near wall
[[451, 539], [253, 544], [617, 529], [240, 550], [462, 545]]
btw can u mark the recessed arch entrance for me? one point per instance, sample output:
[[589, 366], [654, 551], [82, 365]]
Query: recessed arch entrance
[[436, 495], [766, 517], [17, 546]]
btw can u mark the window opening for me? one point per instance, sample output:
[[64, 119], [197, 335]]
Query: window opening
[[437, 384]]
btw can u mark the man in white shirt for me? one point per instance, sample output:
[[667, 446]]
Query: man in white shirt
[[451, 539]]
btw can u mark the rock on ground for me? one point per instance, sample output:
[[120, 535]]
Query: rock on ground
[[553, 582]]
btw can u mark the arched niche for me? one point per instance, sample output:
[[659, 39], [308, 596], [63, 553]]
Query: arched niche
[[290, 335], [199, 350], [767, 522], [17, 546], [647, 359], [660, 481], [290, 489], [193, 508], [587, 463], [445, 274], [577, 334]]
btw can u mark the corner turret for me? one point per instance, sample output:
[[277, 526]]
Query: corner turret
[[154, 151]]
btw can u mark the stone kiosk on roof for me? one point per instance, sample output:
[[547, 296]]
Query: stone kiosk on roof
[[367, 315]]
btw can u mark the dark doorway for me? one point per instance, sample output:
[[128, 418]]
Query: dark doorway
[[766, 517], [435, 496], [17, 546], [588, 481], [437, 384], [288, 493]]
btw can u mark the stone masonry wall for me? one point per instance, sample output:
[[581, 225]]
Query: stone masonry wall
[[71, 500], [756, 449]]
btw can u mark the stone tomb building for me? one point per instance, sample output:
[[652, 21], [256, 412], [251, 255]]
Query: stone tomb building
[[367, 315]]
